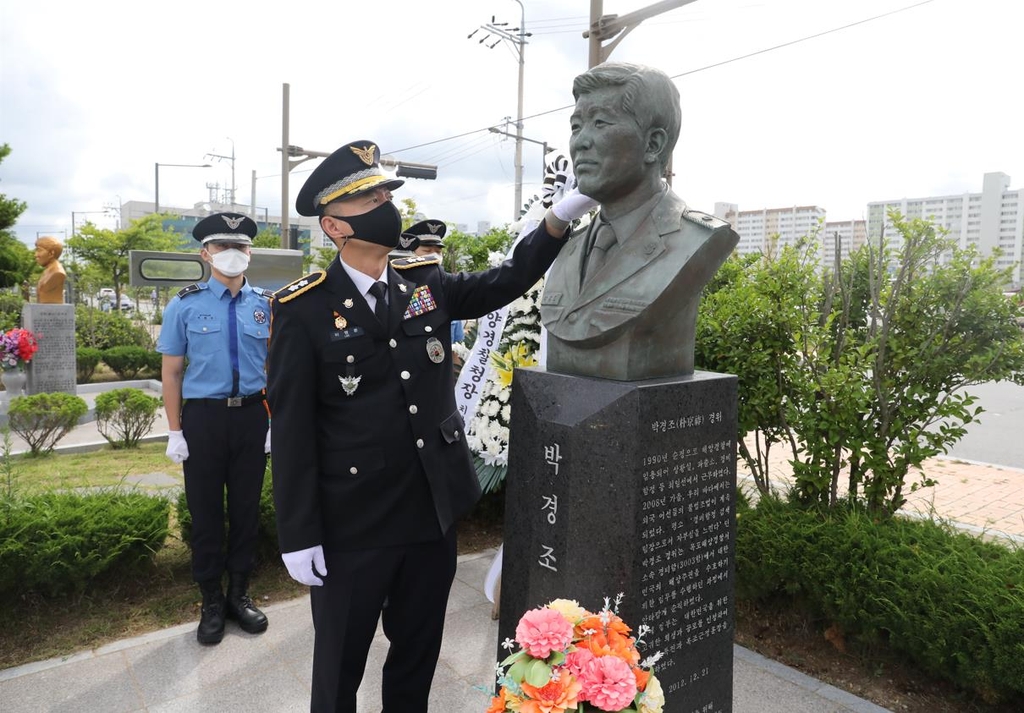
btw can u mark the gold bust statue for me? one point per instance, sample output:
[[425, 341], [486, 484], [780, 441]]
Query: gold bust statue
[[50, 288]]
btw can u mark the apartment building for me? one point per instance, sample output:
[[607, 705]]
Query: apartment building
[[991, 219]]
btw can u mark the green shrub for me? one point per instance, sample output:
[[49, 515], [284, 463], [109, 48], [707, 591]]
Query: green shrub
[[57, 542], [43, 419], [86, 361], [10, 310], [266, 546], [124, 416], [103, 330], [950, 602], [127, 361]]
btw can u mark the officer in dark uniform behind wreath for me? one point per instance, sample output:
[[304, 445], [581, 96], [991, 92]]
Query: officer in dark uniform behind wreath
[[217, 417], [371, 468]]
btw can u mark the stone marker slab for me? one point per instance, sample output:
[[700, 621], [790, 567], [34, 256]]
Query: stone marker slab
[[53, 368], [629, 487]]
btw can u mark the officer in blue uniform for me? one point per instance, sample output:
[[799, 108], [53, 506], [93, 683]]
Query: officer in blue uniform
[[371, 467], [217, 417]]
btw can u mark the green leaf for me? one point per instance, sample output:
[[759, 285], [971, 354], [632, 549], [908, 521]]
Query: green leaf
[[538, 673]]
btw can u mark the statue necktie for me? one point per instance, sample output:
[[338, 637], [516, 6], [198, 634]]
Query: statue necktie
[[604, 241], [380, 291]]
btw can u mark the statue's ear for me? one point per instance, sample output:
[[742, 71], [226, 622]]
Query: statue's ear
[[657, 142]]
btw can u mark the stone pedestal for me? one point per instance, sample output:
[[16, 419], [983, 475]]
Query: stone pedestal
[[629, 487], [53, 368]]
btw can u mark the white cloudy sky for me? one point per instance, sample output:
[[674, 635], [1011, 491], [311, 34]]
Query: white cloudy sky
[[92, 95]]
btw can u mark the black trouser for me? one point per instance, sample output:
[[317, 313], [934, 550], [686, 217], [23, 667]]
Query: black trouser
[[415, 581], [225, 449]]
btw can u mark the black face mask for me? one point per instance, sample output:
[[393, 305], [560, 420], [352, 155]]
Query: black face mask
[[382, 225]]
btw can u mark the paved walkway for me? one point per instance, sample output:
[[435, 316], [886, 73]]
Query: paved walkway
[[168, 671]]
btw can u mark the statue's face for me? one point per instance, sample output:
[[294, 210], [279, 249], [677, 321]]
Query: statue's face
[[607, 147], [43, 255]]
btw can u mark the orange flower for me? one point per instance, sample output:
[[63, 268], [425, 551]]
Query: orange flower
[[612, 644], [498, 702], [642, 677], [554, 697]]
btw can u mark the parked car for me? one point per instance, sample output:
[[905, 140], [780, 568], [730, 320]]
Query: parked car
[[126, 303], [106, 293]]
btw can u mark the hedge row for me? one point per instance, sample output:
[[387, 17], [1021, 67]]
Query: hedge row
[[954, 604], [59, 542], [125, 361]]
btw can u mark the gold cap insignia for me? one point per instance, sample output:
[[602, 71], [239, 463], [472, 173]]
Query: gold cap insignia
[[365, 154]]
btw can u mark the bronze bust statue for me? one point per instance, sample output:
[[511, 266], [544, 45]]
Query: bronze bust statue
[[50, 288], [620, 301]]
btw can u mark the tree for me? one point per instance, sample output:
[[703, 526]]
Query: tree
[[16, 259], [863, 369], [106, 251], [269, 237]]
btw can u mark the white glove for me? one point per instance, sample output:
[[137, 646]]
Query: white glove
[[301, 565], [266, 444], [573, 205], [177, 449]]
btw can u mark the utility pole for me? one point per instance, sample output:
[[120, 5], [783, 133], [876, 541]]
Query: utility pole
[[231, 199], [517, 37]]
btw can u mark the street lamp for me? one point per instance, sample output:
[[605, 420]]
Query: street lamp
[[156, 195]]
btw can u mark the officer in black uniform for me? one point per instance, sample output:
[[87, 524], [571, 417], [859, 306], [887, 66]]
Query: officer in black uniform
[[217, 416], [371, 468], [424, 238]]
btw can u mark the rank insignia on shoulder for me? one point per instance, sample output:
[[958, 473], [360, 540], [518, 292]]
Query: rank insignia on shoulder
[[303, 284], [263, 293], [404, 263], [705, 219], [190, 289]]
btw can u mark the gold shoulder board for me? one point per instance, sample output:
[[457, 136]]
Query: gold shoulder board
[[303, 284], [405, 263]]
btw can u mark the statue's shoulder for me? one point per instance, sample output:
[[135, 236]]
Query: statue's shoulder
[[407, 263], [300, 286], [705, 220]]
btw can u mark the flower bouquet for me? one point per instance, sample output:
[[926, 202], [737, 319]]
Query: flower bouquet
[[17, 347], [574, 661]]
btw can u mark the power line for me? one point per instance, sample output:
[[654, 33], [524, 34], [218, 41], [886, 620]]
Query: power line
[[701, 69]]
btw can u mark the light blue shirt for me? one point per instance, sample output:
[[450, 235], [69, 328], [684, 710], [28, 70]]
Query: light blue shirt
[[200, 326]]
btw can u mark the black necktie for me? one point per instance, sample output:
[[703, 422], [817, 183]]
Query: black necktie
[[380, 291]]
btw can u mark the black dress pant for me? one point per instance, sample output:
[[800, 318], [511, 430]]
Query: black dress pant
[[414, 580], [226, 450]]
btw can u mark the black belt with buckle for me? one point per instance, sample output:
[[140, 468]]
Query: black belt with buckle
[[232, 401]]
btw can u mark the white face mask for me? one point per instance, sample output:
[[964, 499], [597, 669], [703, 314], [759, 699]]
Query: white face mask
[[230, 263]]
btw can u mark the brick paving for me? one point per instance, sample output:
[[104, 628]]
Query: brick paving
[[978, 497]]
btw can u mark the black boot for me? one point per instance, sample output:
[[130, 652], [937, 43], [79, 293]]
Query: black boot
[[240, 606], [211, 624]]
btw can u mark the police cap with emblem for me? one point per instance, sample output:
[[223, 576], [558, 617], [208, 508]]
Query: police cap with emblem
[[226, 227], [425, 233], [349, 171]]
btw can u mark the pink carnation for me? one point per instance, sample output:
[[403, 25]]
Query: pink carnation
[[542, 631], [608, 683], [580, 663]]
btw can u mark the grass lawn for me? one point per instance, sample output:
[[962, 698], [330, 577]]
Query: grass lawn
[[37, 627]]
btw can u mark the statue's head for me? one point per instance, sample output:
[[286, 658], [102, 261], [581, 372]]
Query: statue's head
[[624, 128], [48, 249]]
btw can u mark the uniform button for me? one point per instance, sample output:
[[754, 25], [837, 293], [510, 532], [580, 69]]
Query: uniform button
[[393, 344], [419, 442], [456, 434], [350, 358], [573, 317], [405, 375], [353, 470], [413, 409], [428, 328], [204, 329]]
